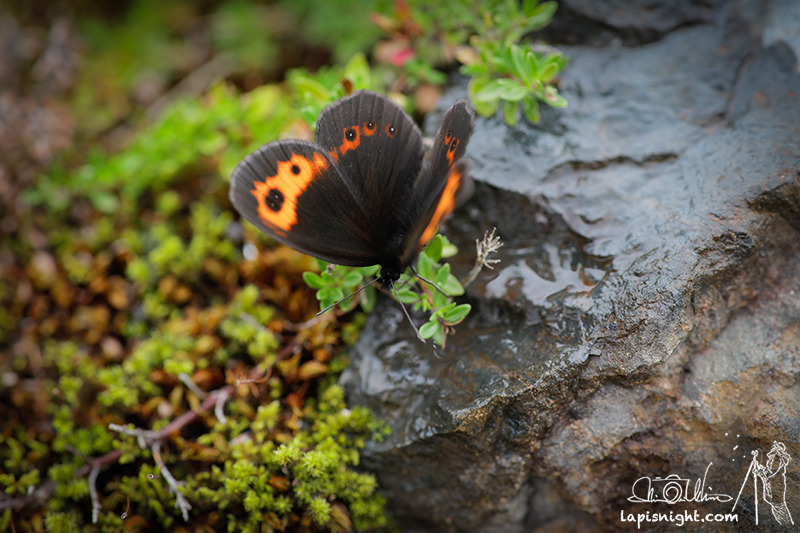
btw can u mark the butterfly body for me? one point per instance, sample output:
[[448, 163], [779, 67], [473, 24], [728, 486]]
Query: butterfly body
[[365, 192]]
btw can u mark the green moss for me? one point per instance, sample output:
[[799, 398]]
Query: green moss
[[314, 464], [62, 522]]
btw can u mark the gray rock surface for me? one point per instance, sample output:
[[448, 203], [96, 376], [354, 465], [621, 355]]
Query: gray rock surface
[[645, 317]]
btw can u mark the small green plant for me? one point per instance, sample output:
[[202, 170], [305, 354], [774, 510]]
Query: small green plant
[[438, 300], [337, 282], [504, 73], [513, 76]]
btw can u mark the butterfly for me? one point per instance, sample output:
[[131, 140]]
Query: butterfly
[[366, 192]]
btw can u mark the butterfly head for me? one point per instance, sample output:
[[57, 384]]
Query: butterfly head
[[389, 274]]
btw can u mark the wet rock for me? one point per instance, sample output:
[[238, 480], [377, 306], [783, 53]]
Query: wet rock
[[630, 22], [644, 320]]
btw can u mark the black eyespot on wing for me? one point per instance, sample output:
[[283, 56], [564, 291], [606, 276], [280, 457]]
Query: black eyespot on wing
[[275, 197]]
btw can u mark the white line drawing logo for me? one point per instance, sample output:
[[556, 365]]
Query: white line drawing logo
[[773, 483]]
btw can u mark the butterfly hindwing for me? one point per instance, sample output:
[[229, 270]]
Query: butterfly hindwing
[[443, 183], [291, 190]]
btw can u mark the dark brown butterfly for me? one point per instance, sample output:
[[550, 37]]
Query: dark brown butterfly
[[365, 192]]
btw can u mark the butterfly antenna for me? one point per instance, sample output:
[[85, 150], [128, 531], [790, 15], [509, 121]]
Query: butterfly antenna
[[346, 297], [429, 282], [406, 311]]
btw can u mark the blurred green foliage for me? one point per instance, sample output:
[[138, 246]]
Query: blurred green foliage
[[343, 25], [504, 73]]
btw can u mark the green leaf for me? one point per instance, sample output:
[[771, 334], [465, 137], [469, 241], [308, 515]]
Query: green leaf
[[513, 91], [425, 266], [484, 108], [104, 201], [442, 272], [529, 7], [352, 278], [429, 329], [435, 248], [357, 71], [553, 99], [439, 299], [549, 71], [423, 305], [504, 59], [313, 280], [310, 88], [441, 311], [534, 65], [457, 314], [491, 90], [406, 278], [539, 16], [309, 114], [522, 67], [510, 113], [369, 297], [331, 294], [449, 250], [530, 108], [407, 296], [452, 286]]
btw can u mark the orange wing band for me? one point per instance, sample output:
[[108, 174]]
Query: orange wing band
[[277, 195], [445, 206]]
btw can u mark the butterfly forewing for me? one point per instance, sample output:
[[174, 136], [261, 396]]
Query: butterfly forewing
[[376, 147], [291, 190]]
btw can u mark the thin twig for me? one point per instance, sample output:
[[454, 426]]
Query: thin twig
[[93, 493], [191, 385], [429, 282], [218, 408], [180, 500], [403, 307], [347, 297], [143, 436]]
